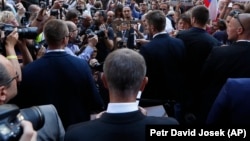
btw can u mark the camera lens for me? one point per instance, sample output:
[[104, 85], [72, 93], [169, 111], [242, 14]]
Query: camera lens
[[34, 115], [27, 32]]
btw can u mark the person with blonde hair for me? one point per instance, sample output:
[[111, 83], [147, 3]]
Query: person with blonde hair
[[8, 17]]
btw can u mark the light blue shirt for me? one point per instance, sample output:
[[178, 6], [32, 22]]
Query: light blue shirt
[[85, 55]]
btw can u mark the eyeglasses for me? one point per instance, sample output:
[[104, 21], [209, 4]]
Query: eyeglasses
[[236, 16], [9, 81]]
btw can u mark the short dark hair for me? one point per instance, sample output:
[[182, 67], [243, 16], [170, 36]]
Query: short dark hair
[[54, 31], [71, 14], [157, 19], [201, 14], [241, 6]]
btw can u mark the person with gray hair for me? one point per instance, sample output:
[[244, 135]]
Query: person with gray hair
[[60, 79], [73, 49], [124, 74]]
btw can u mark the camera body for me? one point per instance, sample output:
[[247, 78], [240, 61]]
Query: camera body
[[23, 32], [93, 10], [54, 12], [43, 43], [11, 117], [90, 33], [43, 4]]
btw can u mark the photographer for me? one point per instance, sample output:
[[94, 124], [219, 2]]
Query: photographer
[[10, 74], [8, 90], [8, 87], [9, 23], [105, 35], [73, 49]]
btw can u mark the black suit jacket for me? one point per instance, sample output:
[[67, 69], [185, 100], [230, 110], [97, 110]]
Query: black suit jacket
[[164, 58], [116, 127], [199, 44], [64, 81], [130, 35], [224, 62]]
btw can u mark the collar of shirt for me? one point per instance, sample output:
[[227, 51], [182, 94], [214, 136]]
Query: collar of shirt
[[55, 50], [243, 41], [122, 107], [163, 32]]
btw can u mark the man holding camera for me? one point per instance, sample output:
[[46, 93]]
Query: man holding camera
[[73, 49], [105, 35], [9, 72], [60, 79]]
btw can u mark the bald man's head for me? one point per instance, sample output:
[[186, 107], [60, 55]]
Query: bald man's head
[[8, 85], [245, 18]]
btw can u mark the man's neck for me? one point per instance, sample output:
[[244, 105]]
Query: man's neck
[[199, 26], [243, 38]]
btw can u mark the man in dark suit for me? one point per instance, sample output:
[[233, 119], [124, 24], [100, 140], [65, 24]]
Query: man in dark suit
[[9, 66], [164, 57], [232, 106], [198, 43], [123, 120], [60, 79], [231, 61]]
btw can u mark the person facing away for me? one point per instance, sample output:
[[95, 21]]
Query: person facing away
[[8, 90], [9, 80], [123, 120], [231, 61], [164, 56], [60, 79], [198, 43], [231, 107]]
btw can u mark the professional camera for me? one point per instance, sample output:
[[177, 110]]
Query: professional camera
[[95, 65], [43, 43], [93, 10], [11, 117], [54, 12], [43, 4], [80, 8], [121, 44], [23, 32], [90, 33], [65, 5]]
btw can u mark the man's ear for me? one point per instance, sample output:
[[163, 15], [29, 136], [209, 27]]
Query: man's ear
[[104, 81], [3, 94], [144, 83]]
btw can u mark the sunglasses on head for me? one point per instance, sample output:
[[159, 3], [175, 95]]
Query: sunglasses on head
[[236, 16]]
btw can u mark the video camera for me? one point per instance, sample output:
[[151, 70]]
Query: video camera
[[11, 117]]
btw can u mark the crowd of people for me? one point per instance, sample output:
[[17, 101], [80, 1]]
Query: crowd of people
[[77, 58]]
